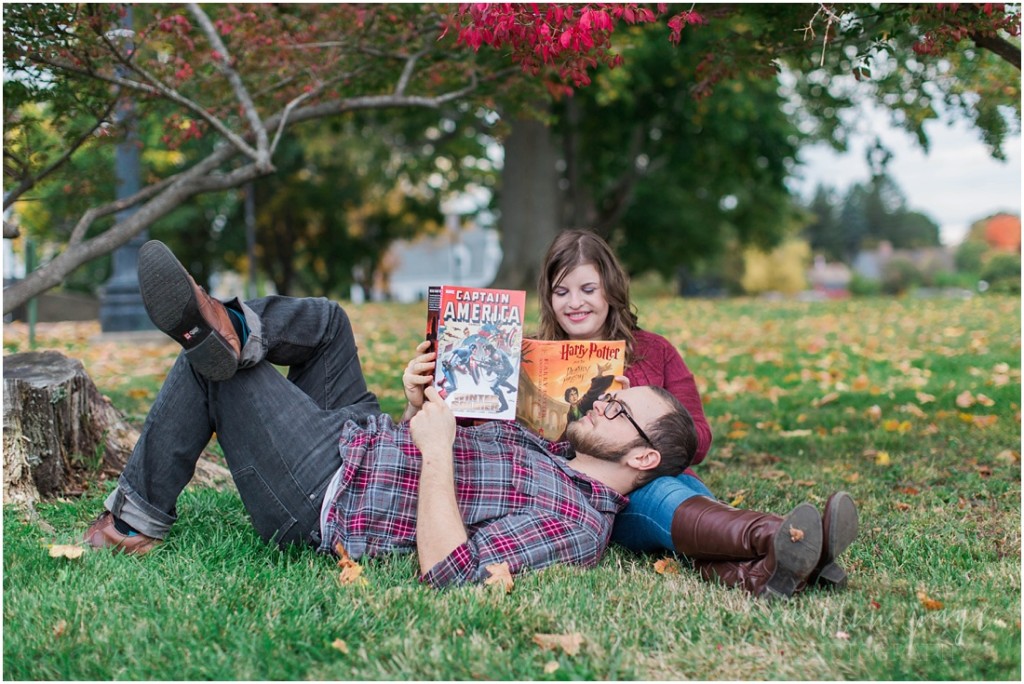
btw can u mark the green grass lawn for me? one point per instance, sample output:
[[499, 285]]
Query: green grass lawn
[[913, 406]]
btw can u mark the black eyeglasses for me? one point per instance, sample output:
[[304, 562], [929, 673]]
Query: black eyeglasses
[[613, 408]]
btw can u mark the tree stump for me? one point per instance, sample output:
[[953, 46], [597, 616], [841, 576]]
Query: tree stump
[[60, 432]]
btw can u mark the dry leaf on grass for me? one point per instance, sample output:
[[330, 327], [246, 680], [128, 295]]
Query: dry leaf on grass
[[66, 551], [569, 643], [340, 645], [882, 458], [929, 603], [666, 566], [501, 576], [550, 666], [351, 572], [60, 628], [965, 399]]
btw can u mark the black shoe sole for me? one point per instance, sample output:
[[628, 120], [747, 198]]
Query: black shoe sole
[[796, 555], [171, 303], [842, 530]]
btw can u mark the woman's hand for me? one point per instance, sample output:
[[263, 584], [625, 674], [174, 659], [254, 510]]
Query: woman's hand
[[418, 375]]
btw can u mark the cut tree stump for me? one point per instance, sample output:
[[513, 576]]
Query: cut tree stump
[[60, 432]]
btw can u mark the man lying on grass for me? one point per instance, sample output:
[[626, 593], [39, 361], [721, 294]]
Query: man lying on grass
[[316, 462]]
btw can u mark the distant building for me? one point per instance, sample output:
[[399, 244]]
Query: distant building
[[830, 280], [469, 256], [870, 264]]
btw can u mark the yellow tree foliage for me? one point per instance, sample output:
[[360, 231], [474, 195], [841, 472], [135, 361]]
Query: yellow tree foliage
[[784, 269]]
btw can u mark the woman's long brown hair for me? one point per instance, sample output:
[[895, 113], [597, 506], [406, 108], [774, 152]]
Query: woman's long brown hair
[[572, 248]]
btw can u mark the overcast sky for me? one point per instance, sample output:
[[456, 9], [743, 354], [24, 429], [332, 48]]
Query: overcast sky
[[955, 184]]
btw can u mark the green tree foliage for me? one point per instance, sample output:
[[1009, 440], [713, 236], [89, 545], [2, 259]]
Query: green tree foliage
[[681, 177]]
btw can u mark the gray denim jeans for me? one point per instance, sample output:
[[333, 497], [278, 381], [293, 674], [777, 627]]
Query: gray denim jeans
[[279, 435]]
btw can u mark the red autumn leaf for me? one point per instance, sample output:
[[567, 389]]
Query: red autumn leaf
[[929, 603], [666, 566]]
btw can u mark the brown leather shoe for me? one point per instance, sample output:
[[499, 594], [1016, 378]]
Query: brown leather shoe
[[183, 310], [102, 534]]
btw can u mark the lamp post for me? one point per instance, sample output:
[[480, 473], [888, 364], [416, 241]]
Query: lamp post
[[121, 306]]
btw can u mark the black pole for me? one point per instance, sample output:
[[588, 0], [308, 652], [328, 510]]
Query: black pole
[[120, 300]]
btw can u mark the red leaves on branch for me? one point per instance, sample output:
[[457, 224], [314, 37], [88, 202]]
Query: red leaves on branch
[[570, 38], [956, 22]]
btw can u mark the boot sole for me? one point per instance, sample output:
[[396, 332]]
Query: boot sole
[[171, 304], [795, 559], [842, 530]]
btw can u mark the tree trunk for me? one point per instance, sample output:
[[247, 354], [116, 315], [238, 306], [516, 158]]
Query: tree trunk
[[60, 432], [529, 203]]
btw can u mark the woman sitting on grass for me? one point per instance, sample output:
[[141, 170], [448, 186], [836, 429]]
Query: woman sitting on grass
[[584, 294]]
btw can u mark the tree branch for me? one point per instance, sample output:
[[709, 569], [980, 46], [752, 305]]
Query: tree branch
[[156, 88], [224, 64], [999, 46]]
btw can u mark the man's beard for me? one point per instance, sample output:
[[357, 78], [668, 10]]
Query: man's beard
[[589, 443]]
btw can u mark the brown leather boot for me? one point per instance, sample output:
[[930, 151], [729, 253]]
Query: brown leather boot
[[183, 310], [839, 528], [763, 553], [102, 534], [705, 529]]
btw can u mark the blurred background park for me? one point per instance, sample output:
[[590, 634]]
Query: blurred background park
[[365, 152]]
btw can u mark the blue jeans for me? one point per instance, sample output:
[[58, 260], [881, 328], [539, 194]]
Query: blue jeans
[[279, 435], [646, 523]]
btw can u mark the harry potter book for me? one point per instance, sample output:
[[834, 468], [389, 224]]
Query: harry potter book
[[477, 334], [559, 381]]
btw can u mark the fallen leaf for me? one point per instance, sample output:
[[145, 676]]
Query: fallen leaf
[[739, 498], [500, 575], [845, 636], [896, 425], [861, 383], [874, 412], [882, 458], [929, 603], [66, 551], [827, 399], [340, 645], [60, 628], [985, 401], [550, 666], [983, 470], [736, 434], [985, 421], [666, 566], [901, 506], [795, 534], [925, 398], [569, 643], [914, 410], [875, 605], [796, 433], [352, 574], [1008, 456], [965, 399], [911, 491]]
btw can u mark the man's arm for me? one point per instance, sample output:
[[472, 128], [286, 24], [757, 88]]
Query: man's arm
[[439, 526]]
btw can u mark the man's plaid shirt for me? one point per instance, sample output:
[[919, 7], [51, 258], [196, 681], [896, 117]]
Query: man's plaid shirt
[[520, 502]]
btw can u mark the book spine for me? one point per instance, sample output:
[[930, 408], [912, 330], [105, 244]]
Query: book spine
[[433, 315]]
